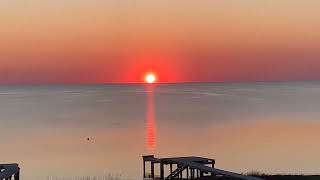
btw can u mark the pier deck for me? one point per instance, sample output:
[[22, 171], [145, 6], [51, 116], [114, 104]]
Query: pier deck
[[188, 168]]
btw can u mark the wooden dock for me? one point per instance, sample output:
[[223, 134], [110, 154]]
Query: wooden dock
[[187, 168], [9, 171]]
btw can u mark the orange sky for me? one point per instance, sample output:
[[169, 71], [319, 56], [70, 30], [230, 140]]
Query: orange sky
[[97, 41]]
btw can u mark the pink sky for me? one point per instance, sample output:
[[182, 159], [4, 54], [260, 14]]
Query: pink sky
[[44, 41]]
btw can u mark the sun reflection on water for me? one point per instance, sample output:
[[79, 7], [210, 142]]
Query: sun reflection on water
[[151, 121]]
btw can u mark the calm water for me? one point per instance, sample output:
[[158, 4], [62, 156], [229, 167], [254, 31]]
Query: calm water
[[270, 127]]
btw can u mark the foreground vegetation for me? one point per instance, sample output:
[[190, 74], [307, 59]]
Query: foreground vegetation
[[106, 177], [284, 177], [255, 174]]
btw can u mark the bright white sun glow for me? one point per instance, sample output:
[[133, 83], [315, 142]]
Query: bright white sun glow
[[150, 78]]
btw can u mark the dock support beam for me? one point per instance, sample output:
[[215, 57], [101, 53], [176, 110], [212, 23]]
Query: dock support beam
[[17, 176], [161, 171], [144, 169], [187, 172], [201, 173], [152, 170], [212, 165], [192, 173]]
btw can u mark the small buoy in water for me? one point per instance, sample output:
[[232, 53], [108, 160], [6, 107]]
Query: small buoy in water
[[88, 139]]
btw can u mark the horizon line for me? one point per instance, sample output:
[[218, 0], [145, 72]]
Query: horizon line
[[160, 83]]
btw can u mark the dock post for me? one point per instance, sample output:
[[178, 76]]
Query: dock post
[[187, 172], [152, 170], [17, 175], [170, 168], [192, 173], [161, 171], [201, 173], [144, 169], [212, 165]]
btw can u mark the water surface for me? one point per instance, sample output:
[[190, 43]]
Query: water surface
[[269, 127]]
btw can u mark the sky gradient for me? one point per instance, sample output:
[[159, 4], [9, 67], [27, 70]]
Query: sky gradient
[[111, 41]]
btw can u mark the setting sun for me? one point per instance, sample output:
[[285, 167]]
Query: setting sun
[[150, 78]]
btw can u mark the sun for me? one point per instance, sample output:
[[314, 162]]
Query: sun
[[150, 78]]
